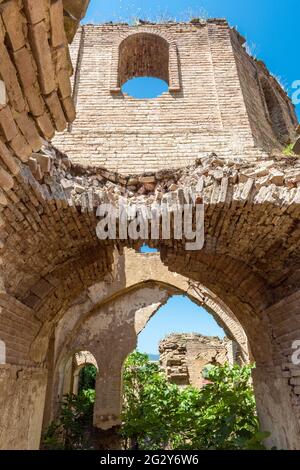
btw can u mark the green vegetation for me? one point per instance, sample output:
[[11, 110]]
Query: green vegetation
[[160, 415], [288, 151], [72, 427], [87, 377]]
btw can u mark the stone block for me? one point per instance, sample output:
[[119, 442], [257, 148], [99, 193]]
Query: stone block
[[21, 147], [35, 11], [8, 159], [32, 163], [13, 22], [64, 83], [69, 109], [58, 35], [6, 181], [3, 199], [276, 177], [71, 26], [25, 66], [42, 289], [3, 96], [62, 60], [28, 129], [38, 173], [76, 8], [56, 111], [43, 58], [45, 125], [7, 124], [2, 30], [44, 162], [295, 381], [296, 147]]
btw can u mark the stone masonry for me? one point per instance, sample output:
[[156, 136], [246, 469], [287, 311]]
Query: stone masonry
[[127, 299], [220, 128], [183, 357], [219, 100]]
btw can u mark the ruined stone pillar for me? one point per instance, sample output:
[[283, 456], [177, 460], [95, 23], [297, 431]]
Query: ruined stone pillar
[[108, 404]]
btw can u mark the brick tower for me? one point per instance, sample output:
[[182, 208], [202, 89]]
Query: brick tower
[[219, 99]]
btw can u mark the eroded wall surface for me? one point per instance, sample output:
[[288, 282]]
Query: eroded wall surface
[[22, 399], [183, 357], [50, 253], [216, 100]]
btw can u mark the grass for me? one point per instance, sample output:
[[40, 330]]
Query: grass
[[288, 151]]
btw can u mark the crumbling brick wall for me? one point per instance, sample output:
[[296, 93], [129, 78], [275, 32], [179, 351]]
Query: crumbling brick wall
[[219, 99], [183, 357], [50, 253]]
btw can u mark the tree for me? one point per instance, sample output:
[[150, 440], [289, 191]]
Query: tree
[[87, 377], [71, 429], [160, 415]]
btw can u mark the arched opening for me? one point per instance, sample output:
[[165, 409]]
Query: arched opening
[[115, 335], [85, 373], [143, 55], [144, 66], [275, 113], [80, 373], [71, 426], [145, 87], [181, 320], [183, 359]]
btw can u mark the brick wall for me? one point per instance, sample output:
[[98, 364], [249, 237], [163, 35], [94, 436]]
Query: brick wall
[[18, 328], [22, 403], [214, 103]]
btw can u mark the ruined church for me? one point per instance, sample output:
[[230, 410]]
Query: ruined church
[[71, 139]]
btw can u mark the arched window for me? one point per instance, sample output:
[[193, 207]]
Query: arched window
[[74, 376], [145, 54], [85, 369], [275, 113]]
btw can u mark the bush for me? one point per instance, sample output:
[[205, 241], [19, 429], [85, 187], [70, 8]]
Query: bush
[[87, 378], [288, 151], [160, 415], [71, 429]]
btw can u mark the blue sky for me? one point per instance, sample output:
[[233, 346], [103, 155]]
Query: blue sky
[[178, 315], [271, 28]]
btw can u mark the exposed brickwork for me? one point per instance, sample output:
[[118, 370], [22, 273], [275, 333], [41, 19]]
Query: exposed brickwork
[[127, 298], [183, 357], [35, 69], [214, 130], [216, 101]]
